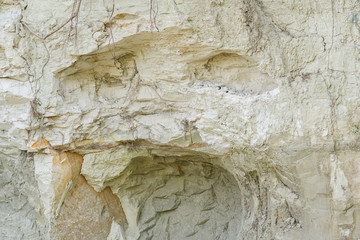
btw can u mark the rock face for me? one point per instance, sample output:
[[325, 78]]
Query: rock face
[[208, 119], [183, 197]]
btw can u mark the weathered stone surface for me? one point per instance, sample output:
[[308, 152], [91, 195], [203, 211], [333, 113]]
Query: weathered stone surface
[[226, 119], [74, 208], [172, 193]]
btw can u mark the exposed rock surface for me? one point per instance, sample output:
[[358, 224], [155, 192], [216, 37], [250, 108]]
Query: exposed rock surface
[[184, 197], [207, 119]]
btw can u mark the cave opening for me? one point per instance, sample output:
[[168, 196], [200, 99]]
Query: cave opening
[[179, 198]]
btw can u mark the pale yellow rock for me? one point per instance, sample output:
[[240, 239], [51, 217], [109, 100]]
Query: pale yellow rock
[[172, 103]]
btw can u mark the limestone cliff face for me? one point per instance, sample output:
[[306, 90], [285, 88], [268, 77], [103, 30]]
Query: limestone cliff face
[[207, 119]]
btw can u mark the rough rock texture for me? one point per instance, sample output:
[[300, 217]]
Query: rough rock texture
[[207, 119], [189, 193]]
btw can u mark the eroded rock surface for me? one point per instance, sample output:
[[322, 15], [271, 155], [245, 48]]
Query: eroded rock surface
[[172, 193], [209, 119]]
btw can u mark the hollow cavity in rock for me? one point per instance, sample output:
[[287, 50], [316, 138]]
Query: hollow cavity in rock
[[180, 199]]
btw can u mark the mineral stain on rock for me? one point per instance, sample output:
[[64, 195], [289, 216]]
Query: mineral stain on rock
[[83, 212]]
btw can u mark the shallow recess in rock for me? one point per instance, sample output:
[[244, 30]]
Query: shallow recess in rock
[[182, 199], [236, 73], [171, 197]]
